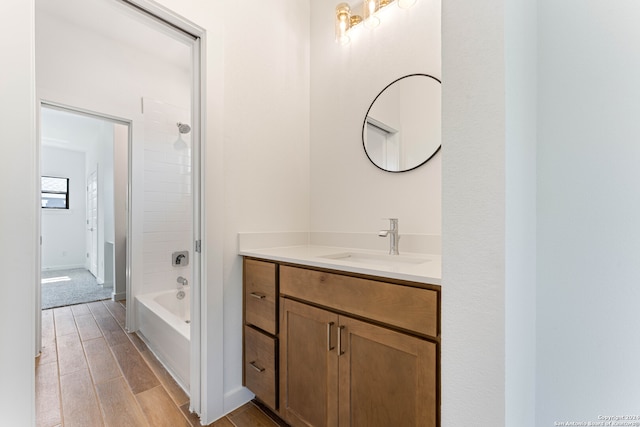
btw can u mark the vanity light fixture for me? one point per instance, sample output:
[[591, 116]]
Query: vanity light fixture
[[345, 20], [369, 17]]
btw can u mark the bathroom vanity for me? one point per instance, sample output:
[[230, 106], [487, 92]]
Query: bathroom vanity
[[334, 342]]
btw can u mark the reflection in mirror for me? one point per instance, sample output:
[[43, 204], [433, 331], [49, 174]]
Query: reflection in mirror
[[402, 129]]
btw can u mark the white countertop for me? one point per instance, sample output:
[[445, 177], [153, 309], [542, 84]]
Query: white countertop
[[429, 271]]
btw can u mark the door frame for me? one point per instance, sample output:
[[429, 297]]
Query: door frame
[[202, 399], [89, 239], [42, 103]]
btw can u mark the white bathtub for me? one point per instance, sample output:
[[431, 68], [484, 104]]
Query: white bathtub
[[163, 325]]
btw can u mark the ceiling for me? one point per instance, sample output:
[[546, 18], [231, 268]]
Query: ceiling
[[67, 130], [117, 21]]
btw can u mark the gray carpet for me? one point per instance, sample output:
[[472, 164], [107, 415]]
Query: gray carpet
[[70, 287]]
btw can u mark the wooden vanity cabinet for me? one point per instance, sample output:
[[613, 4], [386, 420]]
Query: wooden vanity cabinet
[[339, 370], [347, 350]]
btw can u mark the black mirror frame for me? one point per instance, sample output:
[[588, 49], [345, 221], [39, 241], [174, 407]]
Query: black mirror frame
[[364, 124]]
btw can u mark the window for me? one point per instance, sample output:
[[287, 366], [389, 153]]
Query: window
[[55, 193]]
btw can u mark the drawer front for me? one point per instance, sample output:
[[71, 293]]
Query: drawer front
[[260, 365], [260, 294], [405, 307]]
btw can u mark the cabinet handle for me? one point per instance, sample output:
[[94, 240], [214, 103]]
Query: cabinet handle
[[329, 347], [257, 296], [256, 367], [340, 352]]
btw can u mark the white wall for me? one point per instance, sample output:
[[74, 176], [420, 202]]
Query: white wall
[[520, 211], [266, 126], [106, 199], [121, 174], [18, 245], [63, 231], [588, 210], [349, 193], [473, 212], [99, 157]]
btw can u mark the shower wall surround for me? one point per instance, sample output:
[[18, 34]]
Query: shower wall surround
[[168, 200]]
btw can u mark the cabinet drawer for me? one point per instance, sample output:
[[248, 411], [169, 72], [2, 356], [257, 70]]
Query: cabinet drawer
[[405, 307], [260, 365], [260, 294]]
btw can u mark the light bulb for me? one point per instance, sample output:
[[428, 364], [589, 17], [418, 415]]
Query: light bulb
[[370, 7], [406, 4], [343, 22]]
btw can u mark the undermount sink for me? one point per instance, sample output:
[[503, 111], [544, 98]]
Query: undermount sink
[[375, 259]]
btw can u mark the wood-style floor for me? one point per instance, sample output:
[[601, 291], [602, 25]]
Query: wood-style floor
[[92, 373]]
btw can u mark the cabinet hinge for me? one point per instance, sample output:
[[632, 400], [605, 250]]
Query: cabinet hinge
[[199, 246]]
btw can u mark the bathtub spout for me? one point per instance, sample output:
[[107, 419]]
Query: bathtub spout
[[182, 282]]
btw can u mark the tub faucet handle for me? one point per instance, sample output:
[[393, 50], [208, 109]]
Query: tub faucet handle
[[182, 281]]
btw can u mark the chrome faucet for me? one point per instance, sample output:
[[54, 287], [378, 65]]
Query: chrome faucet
[[182, 281], [392, 232]]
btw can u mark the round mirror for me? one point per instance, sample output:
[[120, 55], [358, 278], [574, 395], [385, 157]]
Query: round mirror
[[402, 128]]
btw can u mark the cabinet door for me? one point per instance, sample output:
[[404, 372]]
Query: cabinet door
[[386, 378], [308, 365]]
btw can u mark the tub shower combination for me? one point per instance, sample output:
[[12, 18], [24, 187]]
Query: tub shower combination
[[163, 321]]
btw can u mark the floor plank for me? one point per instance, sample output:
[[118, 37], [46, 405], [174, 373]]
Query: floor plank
[[269, 412], [175, 391], [47, 395], [48, 329], [119, 406], [193, 418], [70, 354], [101, 362], [134, 368], [87, 327], [117, 310], [79, 403], [80, 310], [98, 309], [251, 416], [137, 341], [48, 352], [64, 321], [222, 422], [160, 409], [112, 332]]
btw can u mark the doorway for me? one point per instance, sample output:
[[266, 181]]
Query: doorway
[[84, 170], [79, 46]]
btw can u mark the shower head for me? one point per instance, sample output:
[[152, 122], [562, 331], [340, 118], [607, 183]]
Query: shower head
[[184, 128]]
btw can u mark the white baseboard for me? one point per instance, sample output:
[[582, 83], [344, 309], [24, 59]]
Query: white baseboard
[[62, 267], [236, 398], [119, 296]]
